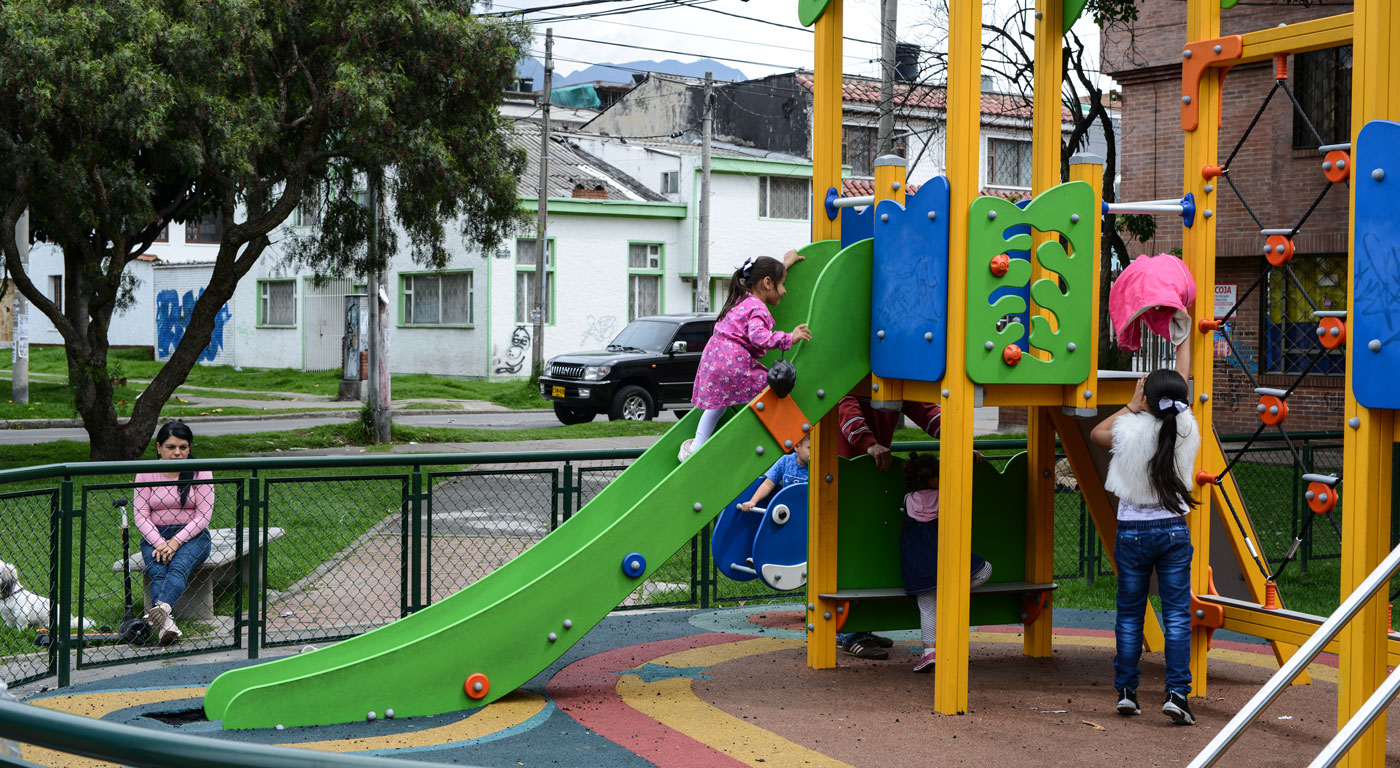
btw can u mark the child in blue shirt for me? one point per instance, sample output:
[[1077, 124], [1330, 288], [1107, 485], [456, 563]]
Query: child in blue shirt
[[790, 468]]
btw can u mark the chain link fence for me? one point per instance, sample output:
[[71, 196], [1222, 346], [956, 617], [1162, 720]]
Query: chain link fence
[[309, 551]]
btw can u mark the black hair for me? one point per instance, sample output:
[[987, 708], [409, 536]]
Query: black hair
[[743, 280], [182, 431], [919, 469], [1165, 383]]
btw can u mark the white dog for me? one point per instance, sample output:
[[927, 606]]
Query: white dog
[[20, 608]]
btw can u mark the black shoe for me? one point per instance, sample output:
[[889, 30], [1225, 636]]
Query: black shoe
[[1128, 703], [1177, 709]]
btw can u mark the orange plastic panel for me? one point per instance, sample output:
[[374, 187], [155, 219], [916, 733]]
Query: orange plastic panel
[[843, 612], [1328, 337], [1032, 605], [1272, 410], [1196, 58], [783, 419]]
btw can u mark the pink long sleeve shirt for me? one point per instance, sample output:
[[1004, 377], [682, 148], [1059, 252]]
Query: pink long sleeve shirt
[[159, 505]]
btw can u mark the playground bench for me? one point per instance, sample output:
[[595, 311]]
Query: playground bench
[[1033, 596], [220, 570]]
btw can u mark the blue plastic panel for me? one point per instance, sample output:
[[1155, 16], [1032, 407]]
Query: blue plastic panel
[[857, 224], [732, 541], [910, 286], [1023, 291], [1377, 284], [783, 544]]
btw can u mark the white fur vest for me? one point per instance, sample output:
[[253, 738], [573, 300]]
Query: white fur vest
[[1134, 443]]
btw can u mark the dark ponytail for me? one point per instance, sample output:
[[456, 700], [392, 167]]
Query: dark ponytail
[[743, 280], [919, 469], [1166, 384], [179, 429]]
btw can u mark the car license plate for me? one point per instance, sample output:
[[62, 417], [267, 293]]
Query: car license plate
[[557, 391]]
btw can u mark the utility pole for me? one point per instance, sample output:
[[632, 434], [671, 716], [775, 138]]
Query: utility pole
[[378, 360], [542, 218], [19, 376], [888, 18], [702, 269]]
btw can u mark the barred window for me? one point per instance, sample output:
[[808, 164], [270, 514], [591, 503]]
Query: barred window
[[526, 261], [1323, 80], [783, 197], [444, 299], [861, 145], [1290, 327], [210, 229], [277, 302], [1008, 163]]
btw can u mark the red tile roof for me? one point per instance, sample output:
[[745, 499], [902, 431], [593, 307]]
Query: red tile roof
[[867, 91], [866, 188]]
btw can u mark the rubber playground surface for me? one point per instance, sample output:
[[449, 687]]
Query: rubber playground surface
[[730, 687]]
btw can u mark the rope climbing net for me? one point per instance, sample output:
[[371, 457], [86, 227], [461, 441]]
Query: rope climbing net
[[1278, 249]]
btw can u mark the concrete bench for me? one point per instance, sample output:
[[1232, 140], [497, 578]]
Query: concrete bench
[[219, 571]]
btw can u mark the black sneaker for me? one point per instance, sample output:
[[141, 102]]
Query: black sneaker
[[1128, 703], [1176, 708]]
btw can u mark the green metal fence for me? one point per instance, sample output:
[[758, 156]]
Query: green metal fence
[[346, 544]]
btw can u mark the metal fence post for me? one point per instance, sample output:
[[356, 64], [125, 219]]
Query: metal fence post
[[1297, 493], [415, 511], [257, 503], [65, 579], [709, 584]]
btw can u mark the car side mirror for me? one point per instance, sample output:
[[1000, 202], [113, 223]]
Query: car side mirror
[[678, 346]]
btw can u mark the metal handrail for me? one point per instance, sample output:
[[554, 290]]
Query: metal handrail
[[1378, 578], [144, 748], [1359, 722]]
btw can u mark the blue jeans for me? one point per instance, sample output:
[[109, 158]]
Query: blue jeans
[[168, 580], [846, 638], [1141, 547]]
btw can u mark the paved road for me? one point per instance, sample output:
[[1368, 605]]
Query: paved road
[[505, 420]]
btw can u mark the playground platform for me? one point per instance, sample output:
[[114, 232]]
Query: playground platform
[[731, 687]]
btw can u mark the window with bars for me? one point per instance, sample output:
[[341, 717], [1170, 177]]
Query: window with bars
[[784, 197], [1322, 80], [643, 280], [308, 212], [1290, 338], [438, 299], [210, 229], [526, 263], [861, 145], [1008, 163], [277, 302]]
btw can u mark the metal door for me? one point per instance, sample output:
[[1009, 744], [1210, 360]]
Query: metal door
[[325, 324]]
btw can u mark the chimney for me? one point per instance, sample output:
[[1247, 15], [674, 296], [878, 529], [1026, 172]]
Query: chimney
[[906, 62], [988, 84], [527, 84], [596, 193]]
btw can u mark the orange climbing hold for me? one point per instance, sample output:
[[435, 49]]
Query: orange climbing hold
[[1337, 166], [1209, 326], [1205, 478], [1272, 410], [1331, 332], [1322, 498], [1278, 249], [1011, 355], [1211, 171], [1000, 264]]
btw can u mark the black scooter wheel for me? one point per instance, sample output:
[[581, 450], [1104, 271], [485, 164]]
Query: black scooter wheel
[[135, 631]]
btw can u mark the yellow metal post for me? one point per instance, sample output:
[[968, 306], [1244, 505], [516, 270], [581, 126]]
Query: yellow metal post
[[826, 174], [1368, 434], [955, 474], [1198, 251]]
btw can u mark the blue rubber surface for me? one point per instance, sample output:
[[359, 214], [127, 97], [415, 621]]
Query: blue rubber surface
[[1377, 249]]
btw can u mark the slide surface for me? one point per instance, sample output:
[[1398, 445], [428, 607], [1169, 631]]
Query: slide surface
[[504, 629]]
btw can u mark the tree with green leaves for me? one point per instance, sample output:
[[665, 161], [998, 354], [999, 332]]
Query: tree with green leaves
[[118, 119]]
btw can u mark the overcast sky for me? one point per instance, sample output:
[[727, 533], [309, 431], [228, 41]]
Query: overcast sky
[[762, 49]]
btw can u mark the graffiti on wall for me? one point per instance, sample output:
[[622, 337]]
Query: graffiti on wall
[[512, 360], [600, 331], [173, 313]]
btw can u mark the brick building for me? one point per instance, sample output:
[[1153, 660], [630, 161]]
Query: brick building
[[1278, 172]]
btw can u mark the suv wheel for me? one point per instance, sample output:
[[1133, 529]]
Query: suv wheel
[[569, 416], [632, 403]]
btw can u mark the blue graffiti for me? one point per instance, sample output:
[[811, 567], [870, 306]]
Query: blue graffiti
[[1243, 357], [173, 314]]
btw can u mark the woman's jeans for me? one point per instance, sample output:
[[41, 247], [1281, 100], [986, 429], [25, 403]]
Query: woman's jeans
[[1141, 546], [168, 580]]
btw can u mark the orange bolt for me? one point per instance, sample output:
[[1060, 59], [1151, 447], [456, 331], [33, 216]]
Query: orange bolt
[[1272, 410], [1209, 326], [1281, 67], [1000, 264], [477, 685], [1270, 596], [1321, 497], [1011, 355], [1211, 171], [1331, 332], [1337, 166], [1205, 478], [1278, 249]]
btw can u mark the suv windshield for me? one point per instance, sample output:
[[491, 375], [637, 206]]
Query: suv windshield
[[645, 334]]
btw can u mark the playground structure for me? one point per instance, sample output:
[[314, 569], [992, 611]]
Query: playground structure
[[909, 292]]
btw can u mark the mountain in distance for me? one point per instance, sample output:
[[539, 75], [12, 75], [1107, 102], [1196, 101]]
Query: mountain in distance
[[534, 69]]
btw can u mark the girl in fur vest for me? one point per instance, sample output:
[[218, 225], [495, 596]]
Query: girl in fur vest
[[1153, 442]]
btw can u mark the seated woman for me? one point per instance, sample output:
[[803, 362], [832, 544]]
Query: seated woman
[[174, 525]]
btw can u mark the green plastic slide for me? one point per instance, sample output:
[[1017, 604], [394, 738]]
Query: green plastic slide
[[506, 628]]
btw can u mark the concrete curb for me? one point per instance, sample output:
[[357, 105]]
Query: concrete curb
[[60, 423]]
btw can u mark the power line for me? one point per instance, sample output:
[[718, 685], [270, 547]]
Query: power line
[[778, 24], [652, 5], [676, 53]]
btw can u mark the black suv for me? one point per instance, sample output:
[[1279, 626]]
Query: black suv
[[648, 368]]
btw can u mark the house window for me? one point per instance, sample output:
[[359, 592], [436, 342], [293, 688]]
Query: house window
[[526, 263], [210, 229], [643, 280], [1323, 80], [860, 146], [441, 299], [164, 236], [1290, 328], [56, 291], [670, 182], [1008, 163], [308, 212], [277, 302], [783, 197]]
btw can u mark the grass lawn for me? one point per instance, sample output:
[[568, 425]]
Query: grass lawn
[[136, 364]]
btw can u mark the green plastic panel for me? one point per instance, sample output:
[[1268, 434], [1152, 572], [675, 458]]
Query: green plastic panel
[[500, 626], [869, 522], [1073, 8], [1068, 210], [808, 11]]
